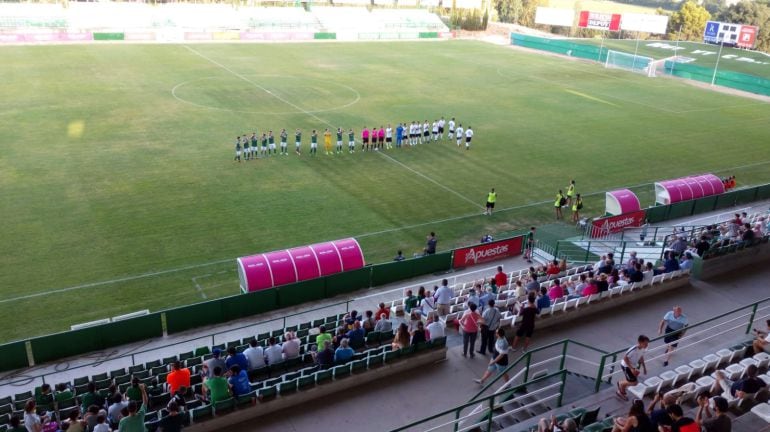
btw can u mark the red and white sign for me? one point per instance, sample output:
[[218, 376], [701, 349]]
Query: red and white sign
[[599, 21], [610, 225], [747, 36], [487, 252]]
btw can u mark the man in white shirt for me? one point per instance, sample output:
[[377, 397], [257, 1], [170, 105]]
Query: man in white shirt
[[255, 355], [274, 352], [435, 131], [468, 138], [441, 124], [451, 128], [459, 134], [428, 304], [632, 364], [443, 296], [436, 329], [389, 137]]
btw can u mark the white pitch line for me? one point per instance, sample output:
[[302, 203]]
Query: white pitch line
[[475, 204], [198, 286], [114, 281], [309, 113]]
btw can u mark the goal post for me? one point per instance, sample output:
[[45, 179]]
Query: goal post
[[631, 62]]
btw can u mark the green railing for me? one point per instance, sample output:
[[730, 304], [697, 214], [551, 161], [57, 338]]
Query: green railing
[[591, 250], [727, 326], [482, 416], [561, 353]]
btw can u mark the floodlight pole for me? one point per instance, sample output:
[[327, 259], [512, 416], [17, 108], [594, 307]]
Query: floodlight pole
[[716, 66], [636, 50]]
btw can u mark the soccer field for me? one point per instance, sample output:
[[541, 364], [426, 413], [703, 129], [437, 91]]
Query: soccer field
[[119, 190]]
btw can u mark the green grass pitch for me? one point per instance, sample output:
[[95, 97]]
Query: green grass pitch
[[119, 194]]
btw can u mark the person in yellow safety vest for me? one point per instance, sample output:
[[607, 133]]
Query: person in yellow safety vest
[[570, 192], [577, 205], [560, 201], [491, 198]]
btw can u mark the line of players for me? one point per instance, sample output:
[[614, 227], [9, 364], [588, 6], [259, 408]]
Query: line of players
[[371, 140]]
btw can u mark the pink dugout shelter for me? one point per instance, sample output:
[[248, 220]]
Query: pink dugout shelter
[[687, 188], [272, 269], [621, 201]]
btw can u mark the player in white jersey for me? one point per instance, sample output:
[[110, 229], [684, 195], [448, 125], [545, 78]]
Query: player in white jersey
[[413, 134], [451, 128], [468, 138], [459, 134], [441, 124], [426, 132], [388, 137], [435, 131]]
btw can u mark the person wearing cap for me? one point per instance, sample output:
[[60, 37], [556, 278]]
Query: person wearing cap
[[215, 361]]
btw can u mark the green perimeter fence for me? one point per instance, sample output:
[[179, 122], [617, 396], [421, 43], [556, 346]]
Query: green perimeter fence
[[23, 353], [726, 78]]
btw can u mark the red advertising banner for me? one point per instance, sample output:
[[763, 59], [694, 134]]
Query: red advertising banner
[[487, 252], [609, 225], [747, 36], [600, 21]]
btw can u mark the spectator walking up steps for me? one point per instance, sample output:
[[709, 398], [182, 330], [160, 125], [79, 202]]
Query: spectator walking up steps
[[632, 364], [491, 198], [674, 323], [499, 360]]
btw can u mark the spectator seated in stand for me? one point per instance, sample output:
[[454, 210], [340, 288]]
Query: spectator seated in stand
[[472, 298], [382, 312], [750, 384], [410, 301], [681, 423], [255, 355], [501, 279], [383, 324], [238, 381], [762, 341], [322, 337], [217, 387], [568, 425], [174, 421], [273, 352], [602, 284], [686, 261], [178, 377], [555, 292], [418, 334], [543, 302], [553, 269], [134, 421], [356, 336], [324, 357], [210, 364], [436, 328], [368, 322], [236, 358], [344, 353], [290, 346], [670, 263], [399, 256], [15, 424], [402, 337]]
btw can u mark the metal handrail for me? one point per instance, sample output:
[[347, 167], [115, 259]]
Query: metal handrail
[[561, 373]]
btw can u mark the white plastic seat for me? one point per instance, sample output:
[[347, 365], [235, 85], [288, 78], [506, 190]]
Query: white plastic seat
[[704, 383], [451, 317], [594, 297], [724, 356], [657, 279], [652, 384], [639, 390], [667, 379], [569, 304], [765, 378], [676, 273], [738, 352], [505, 322], [581, 301], [712, 361], [616, 291], [698, 367], [762, 411], [683, 372], [748, 362], [685, 393], [763, 360], [735, 371]]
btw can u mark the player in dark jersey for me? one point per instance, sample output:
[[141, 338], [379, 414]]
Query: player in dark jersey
[[339, 140], [313, 143], [254, 143], [298, 141], [284, 148], [351, 141], [264, 144], [237, 149], [246, 148]]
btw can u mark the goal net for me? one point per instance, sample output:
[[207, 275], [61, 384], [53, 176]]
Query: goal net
[[631, 62]]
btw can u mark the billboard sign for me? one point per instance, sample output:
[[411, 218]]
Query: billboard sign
[[599, 21], [487, 252], [554, 16], [609, 225], [737, 35], [647, 23]]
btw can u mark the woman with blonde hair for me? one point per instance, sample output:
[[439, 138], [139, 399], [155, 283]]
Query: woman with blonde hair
[[402, 337]]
